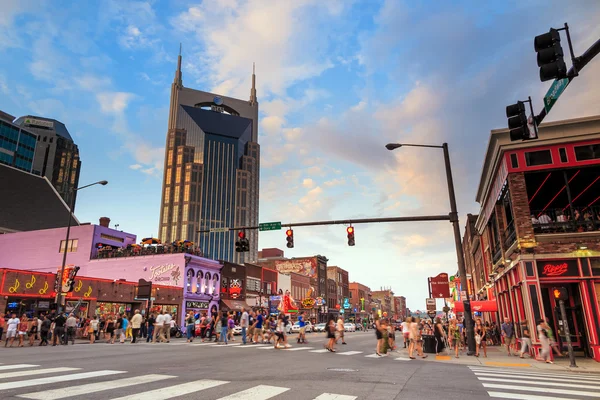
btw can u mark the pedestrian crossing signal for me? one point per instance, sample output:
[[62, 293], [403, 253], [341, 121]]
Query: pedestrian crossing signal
[[560, 293]]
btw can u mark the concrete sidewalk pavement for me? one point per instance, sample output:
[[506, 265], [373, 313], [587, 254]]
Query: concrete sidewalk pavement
[[497, 357]]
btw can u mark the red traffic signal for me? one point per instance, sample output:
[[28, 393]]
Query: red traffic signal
[[241, 234], [350, 231], [289, 238], [289, 232]]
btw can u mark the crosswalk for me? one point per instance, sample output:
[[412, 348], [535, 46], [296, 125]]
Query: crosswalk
[[260, 346], [74, 383], [529, 384]]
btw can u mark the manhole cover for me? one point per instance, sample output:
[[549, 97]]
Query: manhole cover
[[342, 369]]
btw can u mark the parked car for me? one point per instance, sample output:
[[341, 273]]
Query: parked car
[[237, 330], [308, 327], [320, 327], [349, 327]]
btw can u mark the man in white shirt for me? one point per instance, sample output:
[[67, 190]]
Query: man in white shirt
[[340, 329], [136, 324], [167, 327], [11, 329], [244, 324], [158, 328]]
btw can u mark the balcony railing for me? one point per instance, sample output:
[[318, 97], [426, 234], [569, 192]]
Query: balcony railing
[[561, 221], [114, 252], [509, 235], [496, 253]]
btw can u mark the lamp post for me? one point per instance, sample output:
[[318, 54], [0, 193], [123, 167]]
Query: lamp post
[[59, 298], [457, 239]]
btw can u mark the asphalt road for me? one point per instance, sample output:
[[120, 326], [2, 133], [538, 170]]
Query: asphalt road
[[254, 372]]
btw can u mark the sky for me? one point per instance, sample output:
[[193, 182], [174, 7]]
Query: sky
[[336, 81]]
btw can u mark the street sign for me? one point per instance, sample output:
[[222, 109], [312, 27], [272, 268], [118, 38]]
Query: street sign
[[218, 230], [430, 304], [269, 226], [558, 86], [431, 313], [463, 295], [439, 286]]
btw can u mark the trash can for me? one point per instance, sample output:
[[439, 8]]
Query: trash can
[[429, 344]]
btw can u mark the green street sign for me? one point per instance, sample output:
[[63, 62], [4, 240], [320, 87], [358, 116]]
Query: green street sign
[[558, 86], [270, 226]]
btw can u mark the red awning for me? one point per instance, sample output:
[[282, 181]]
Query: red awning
[[485, 306]]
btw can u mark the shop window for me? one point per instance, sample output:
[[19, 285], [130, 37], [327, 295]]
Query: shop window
[[529, 269], [199, 282], [541, 157], [563, 155], [514, 162], [584, 153], [71, 248], [190, 277], [207, 283], [535, 303], [595, 264], [215, 283]]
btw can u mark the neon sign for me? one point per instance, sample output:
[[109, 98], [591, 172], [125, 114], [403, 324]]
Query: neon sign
[[555, 270]]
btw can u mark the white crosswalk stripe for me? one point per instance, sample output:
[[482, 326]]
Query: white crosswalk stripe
[[349, 353], [61, 384], [536, 385]]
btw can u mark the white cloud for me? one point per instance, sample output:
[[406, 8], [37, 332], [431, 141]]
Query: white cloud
[[308, 183], [114, 102], [335, 182], [135, 167], [93, 83], [3, 85]]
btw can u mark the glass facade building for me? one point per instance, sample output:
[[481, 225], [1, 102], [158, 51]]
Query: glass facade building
[[17, 146]]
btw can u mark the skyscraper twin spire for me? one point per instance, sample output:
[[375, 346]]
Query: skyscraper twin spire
[[178, 81]]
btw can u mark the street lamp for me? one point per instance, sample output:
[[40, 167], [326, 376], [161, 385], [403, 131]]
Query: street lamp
[[457, 239], [64, 261]]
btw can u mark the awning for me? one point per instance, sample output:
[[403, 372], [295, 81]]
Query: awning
[[234, 305], [481, 306]]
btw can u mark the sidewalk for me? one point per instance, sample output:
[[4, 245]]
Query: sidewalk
[[497, 357]]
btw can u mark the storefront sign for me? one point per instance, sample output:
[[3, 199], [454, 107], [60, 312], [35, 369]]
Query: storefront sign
[[168, 274], [43, 304], [235, 288], [440, 289], [203, 305], [557, 268], [302, 266]]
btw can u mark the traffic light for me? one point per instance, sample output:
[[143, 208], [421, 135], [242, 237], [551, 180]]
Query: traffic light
[[290, 238], [71, 281], [239, 244], [550, 56], [517, 121], [242, 245], [350, 231], [560, 293]]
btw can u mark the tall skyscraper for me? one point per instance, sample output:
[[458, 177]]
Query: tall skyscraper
[[17, 145], [211, 175], [56, 154]]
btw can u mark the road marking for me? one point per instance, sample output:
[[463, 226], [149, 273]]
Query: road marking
[[250, 346], [566, 375], [521, 396], [267, 347], [35, 372], [93, 387], [503, 364], [401, 359], [532, 381], [373, 356], [54, 379], [260, 392], [542, 390], [349, 353], [204, 344], [299, 348], [318, 351], [174, 391], [17, 366], [333, 396], [532, 377]]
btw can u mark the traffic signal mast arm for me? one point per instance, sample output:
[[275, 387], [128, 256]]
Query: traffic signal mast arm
[[352, 222], [578, 64]]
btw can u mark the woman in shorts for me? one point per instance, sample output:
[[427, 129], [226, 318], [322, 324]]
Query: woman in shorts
[[23, 326], [331, 328], [33, 330], [378, 335]]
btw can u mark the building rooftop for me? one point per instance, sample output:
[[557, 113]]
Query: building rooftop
[[49, 124], [30, 202], [6, 116], [217, 123]]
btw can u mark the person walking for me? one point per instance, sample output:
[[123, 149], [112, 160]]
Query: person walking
[[340, 329], [93, 329], [331, 329], [553, 343], [405, 331], [545, 341], [223, 334], [508, 333], [136, 324], [302, 326], [190, 324], [44, 330], [525, 340], [379, 336], [244, 324], [71, 329], [454, 334], [59, 329], [150, 322], [480, 338], [438, 334], [167, 326]]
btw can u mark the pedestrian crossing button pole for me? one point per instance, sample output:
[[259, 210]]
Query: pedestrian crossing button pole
[[561, 294]]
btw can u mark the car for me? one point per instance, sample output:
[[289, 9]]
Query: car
[[320, 327], [308, 327], [237, 330], [348, 327]]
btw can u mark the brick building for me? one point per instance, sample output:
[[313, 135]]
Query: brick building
[[340, 276], [539, 228], [360, 298], [400, 307], [386, 303]]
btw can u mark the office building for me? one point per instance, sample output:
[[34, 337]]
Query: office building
[[56, 155], [211, 174], [17, 145]]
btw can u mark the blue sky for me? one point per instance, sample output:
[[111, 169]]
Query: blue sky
[[336, 81]]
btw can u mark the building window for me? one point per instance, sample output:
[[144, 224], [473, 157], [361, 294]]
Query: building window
[[111, 237], [541, 157], [190, 277], [176, 194], [199, 282], [167, 194], [175, 214], [170, 157], [168, 177], [186, 193], [584, 153], [71, 248], [207, 282], [178, 176], [165, 216], [179, 158], [563, 155], [514, 162]]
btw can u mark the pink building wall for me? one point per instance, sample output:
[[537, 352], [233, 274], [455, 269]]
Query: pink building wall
[[39, 250]]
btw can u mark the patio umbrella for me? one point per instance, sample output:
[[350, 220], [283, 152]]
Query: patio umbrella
[[150, 241]]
